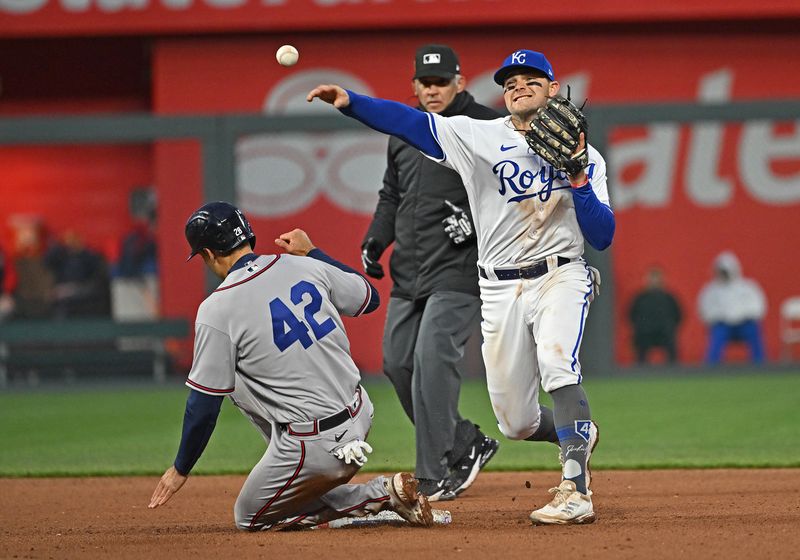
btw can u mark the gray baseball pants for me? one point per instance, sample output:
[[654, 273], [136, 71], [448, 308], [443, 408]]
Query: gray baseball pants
[[299, 482], [423, 343]]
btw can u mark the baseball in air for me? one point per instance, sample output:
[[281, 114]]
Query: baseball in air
[[287, 55]]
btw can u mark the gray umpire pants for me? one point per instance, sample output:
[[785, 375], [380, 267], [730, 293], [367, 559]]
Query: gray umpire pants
[[423, 344]]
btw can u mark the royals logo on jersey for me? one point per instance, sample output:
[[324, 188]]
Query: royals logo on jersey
[[526, 211], [522, 183]]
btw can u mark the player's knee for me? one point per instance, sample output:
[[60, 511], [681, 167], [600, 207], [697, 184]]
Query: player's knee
[[519, 430], [243, 517], [557, 374], [243, 523]]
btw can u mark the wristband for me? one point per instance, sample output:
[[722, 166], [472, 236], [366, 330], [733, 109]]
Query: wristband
[[583, 184]]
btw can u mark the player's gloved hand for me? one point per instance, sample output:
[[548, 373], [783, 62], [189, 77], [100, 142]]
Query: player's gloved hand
[[457, 225], [558, 135], [596, 281], [353, 452], [371, 251]]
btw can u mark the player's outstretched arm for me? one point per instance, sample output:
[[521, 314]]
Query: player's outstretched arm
[[199, 420], [171, 481], [330, 93], [390, 117]]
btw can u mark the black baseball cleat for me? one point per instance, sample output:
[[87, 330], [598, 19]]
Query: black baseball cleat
[[436, 490], [466, 470]]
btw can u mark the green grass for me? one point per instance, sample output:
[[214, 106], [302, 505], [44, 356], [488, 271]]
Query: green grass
[[704, 421]]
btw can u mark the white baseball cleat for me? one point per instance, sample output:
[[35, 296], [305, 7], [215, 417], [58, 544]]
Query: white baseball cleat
[[569, 507], [407, 502], [594, 437]]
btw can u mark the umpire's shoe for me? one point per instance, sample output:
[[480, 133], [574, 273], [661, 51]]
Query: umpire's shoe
[[406, 501], [466, 470], [436, 490], [569, 507]]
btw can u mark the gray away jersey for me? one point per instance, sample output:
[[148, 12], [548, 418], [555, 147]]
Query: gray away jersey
[[275, 326], [523, 210]]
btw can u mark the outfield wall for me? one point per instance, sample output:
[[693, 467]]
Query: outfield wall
[[681, 193]]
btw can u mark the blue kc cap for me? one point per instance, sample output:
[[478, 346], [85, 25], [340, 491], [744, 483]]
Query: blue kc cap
[[524, 60]]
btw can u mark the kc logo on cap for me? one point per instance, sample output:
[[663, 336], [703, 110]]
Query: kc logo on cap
[[431, 58], [524, 59]]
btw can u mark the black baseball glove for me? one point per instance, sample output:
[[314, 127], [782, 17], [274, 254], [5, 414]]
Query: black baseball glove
[[457, 225], [555, 133], [371, 251]]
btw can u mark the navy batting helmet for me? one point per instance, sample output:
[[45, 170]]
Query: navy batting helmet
[[218, 226]]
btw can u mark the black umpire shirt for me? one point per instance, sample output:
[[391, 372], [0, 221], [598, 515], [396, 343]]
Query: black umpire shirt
[[410, 212]]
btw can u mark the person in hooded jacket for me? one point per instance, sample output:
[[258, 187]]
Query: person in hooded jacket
[[732, 308]]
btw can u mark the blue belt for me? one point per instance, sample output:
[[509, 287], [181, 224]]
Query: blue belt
[[535, 270]]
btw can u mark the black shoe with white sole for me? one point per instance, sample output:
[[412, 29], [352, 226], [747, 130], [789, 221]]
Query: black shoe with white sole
[[436, 490], [466, 470]]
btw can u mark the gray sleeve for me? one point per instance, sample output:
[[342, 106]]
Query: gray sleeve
[[214, 362], [350, 293]]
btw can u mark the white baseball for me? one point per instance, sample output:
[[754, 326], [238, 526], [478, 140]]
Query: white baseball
[[287, 55]]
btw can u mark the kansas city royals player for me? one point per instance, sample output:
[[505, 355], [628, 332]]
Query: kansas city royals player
[[271, 338], [531, 223]]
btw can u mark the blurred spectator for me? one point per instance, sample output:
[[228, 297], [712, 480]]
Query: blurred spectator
[[732, 307], [8, 282], [81, 278], [137, 253], [135, 277], [655, 315], [33, 295]]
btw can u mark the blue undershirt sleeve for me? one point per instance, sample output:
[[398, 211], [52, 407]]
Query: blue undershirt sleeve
[[374, 298], [198, 424], [409, 124], [595, 218]]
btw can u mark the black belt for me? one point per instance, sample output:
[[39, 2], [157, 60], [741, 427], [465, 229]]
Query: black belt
[[313, 427], [533, 271], [332, 421]]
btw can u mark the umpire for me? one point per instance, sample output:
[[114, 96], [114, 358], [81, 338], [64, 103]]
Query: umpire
[[434, 305]]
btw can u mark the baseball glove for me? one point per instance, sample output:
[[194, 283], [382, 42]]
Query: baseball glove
[[555, 134]]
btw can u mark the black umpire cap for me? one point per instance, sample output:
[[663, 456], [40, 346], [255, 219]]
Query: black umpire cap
[[218, 226], [438, 61]]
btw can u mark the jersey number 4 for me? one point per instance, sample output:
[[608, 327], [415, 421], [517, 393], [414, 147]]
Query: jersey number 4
[[287, 328]]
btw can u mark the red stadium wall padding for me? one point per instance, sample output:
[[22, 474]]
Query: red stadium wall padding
[[61, 18], [84, 189], [665, 214]]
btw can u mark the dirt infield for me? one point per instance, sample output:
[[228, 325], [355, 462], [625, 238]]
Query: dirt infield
[[641, 514]]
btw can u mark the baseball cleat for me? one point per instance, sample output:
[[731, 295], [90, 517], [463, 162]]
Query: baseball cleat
[[594, 438], [568, 507], [466, 470], [490, 447], [436, 490], [406, 501]]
